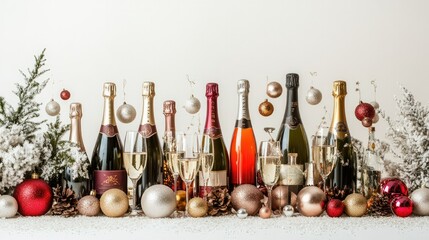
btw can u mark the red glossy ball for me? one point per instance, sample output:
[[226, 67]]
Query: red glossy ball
[[402, 206], [393, 187], [65, 94], [364, 110], [34, 197], [335, 208]]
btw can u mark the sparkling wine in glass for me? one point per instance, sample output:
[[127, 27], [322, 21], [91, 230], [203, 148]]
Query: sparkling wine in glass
[[134, 161], [269, 161], [207, 160]]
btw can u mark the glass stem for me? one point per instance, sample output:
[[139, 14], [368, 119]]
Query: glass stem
[[206, 181], [187, 198], [269, 188], [134, 207], [324, 185], [175, 177]]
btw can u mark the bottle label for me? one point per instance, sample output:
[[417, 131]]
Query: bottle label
[[213, 132], [292, 122], [147, 130], [341, 127], [216, 179], [243, 123], [291, 174], [109, 130], [105, 180]]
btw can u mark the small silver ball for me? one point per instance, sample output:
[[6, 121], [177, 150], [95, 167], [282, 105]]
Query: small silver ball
[[288, 211], [192, 105], [242, 213], [126, 113], [375, 105], [52, 108], [314, 96], [8, 206]]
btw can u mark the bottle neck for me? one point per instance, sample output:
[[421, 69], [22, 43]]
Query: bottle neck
[[170, 125], [212, 127], [76, 132], [292, 117], [243, 116], [339, 123], [148, 116], [108, 112], [371, 141]]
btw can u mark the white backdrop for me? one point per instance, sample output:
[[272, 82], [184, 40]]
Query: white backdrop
[[90, 42]]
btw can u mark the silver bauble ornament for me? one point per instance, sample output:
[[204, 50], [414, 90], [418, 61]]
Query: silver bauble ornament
[[375, 105], [192, 105], [52, 108], [242, 213], [314, 96], [288, 211], [126, 113], [311, 201], [375, 118], [420, 198], [8, 206], [274, 89], [158, 201]]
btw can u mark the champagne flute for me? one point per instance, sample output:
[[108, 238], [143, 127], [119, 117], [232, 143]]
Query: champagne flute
[[170, 152], [207, 160], [269, 161], [324, 152], [189, 161], [134, 161]]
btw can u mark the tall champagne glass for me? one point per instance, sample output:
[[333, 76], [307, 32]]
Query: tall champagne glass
[[269, 161]]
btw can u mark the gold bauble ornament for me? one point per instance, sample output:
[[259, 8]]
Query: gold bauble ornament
[[89, 205], [279, 197], [266, 108], [355, 205], [311, 201], [197, 207], [114, 203], [181, 200]]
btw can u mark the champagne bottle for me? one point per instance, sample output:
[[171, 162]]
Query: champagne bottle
[[107, 169], [169, 110], [293, 139], [342, 180], [218, 177], [243, 155], [79, 185], [153, 172]]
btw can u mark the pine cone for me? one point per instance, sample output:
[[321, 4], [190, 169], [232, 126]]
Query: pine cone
[[335, 192], [64, 203], [378, 205], [219, 201]]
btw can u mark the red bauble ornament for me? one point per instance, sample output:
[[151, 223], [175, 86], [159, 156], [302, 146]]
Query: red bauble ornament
[[34, 197], [65, 94], [402, 206], [364, 110], [367, 122], [335, 208], [393, 187]]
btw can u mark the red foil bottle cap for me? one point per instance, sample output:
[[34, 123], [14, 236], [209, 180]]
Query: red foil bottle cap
[[212, 90]]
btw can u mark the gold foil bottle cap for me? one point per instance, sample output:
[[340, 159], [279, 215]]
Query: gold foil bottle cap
[[212, 90], [109, 89], [243, 86], [340, 88], [169, 107], [148, 89], [75, 110]]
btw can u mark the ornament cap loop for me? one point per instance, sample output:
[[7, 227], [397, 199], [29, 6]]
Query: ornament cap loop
[[34, 176]]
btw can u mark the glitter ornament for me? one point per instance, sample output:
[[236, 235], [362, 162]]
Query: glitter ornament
[[402, 206], [248, 197], [274, 89], [114, 203], [89, 205], [288, 211], [158, 201], [279, 197], [65, 94], [242, 213], [393, 187], [314, 96], [355, 205], [192, 105], [126, 113], [181, 200], [420, 198], [8, 206], [364, 110], [335, 208], [367, 122], [52, 108], [265, 212], [375, 118], [266, 108], [197, 207], [311, 201]]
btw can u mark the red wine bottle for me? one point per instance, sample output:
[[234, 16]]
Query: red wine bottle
[[219, 174], [243, 155], [107, 169], [153, 172]]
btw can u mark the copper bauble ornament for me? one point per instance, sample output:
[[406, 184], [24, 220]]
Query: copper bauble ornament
[[367, 122], [242, 213], [279, 197], [52, 108], [8, 206], [288, 211], [420, 198], [114, 203], [158, 201], [126, 113], [197, 207], [311, 201], [248, 197], [181, 200], [376, 118], [355, 205], [265, 212], [89, 205], [192, 105], [314, 96], [274, 89], [364, 110], [266, 108]]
